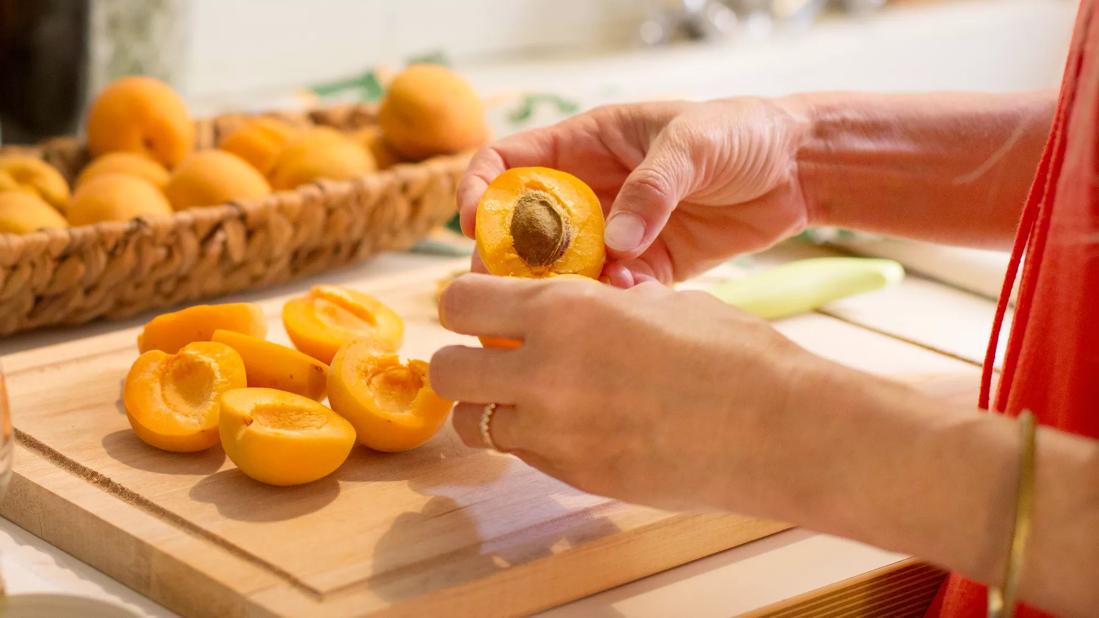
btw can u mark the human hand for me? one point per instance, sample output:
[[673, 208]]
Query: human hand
[[684, 185], [649, 395]]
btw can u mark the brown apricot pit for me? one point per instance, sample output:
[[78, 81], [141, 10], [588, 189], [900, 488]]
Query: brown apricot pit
[[538, 229]]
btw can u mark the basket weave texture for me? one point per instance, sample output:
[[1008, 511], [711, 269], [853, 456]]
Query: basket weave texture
[[117, 269]]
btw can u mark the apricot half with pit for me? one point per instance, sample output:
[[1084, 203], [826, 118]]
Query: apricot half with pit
[[329, 316], [281, 438], [276, 366], [173, 400], [171, 331], [390, 403], [540, 222]]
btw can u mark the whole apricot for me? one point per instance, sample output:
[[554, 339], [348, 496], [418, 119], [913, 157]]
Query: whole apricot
[[127, 163], [116, 197], [281, 438], [259, 141], [213, 177], [142, 115], [173, 400], [276, 366], [538, 222], [21, 213], [169, 332], [430, 110], [372, 139], [35, 176], [319, 153], [322, 321], [390, 403]]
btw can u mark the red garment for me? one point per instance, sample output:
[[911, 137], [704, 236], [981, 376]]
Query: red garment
[[1052, 362]]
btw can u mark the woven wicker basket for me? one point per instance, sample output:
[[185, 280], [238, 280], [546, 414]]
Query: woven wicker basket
[[117, 269]]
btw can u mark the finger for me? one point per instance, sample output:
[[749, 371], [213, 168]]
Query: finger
[[463, 373], [617, 275], [646, 201], [476, 264], [484, 305], [506, 426], [524, 149]]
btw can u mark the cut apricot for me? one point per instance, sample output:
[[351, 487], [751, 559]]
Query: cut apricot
[[281, 438], [171, 331], [329, 316], [390, 403], [276, 366], [173, 400], [538, 222]]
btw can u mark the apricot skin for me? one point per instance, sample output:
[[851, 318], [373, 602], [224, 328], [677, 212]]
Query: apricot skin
[[276, 366], [259, 142], [173, 400], [324, 320], [280, 438], [22, 213], [576, 204], [321, 153], [127, 163], [429, 110], [391, 405], [36, 177], [212, 178], [116, 197], [143, 115], [171, 331]]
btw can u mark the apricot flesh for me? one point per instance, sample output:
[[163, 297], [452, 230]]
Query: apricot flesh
[[276, 366], [259, 141], [34, 176], [282, 438], [142, 115], [173, 400], [390, 403], [321, 153], [126, 163], [430, 110], [324, 320], [212, 178], [22, 213], [540, 222], [116, 197], [171, 331]]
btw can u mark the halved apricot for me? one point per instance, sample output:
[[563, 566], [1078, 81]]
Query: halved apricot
[[390, 403], [171, 331], [277, 366], [282, 438], [329, 316], [173, 400], [537, 222]]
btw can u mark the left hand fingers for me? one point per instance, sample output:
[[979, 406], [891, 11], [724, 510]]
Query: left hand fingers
[[463, 373], [507, 427]]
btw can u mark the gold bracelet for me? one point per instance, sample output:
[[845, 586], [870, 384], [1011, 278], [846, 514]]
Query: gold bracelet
[[1001, 601]]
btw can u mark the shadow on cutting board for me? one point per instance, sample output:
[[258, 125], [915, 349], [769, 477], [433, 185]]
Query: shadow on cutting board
[[125, 447], [238, 497]]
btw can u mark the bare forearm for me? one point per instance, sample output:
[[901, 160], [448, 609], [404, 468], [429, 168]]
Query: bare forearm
[[949, 167], [876, 461]]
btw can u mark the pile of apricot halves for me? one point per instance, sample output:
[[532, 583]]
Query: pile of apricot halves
[[207, 375]]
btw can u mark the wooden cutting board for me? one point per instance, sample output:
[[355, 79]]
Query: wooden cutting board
[[440, 530]]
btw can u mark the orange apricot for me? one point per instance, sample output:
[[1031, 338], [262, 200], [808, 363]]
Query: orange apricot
[[390, 403], [173, 400], [143, 115], [116, 197], [22, 213], [213, 177], [319, 153], [259, 141], [36, 177], [127, 163], [430, 110], [372, 139], [538, 222], [322, 321], [281, 438], [171, 331], [277, 366]]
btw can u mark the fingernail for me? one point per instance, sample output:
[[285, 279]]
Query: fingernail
[[624, 231]]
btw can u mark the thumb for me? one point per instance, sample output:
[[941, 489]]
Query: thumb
[[645, 202]]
